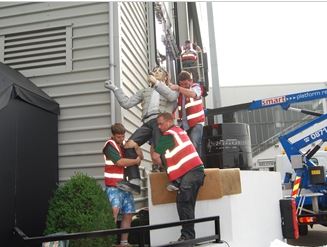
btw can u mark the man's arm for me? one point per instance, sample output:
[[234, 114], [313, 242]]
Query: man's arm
[[128, 162], [165, 143], [193, 92], [139, 152], [156, 158], [187, 92], [165, 91], [115, 157]]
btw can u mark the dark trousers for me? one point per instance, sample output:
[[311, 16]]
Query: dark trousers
[[186, 199]]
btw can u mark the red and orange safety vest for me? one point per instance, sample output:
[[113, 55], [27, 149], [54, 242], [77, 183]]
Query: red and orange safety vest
[[112, 173], [183, 156], [194, 110]]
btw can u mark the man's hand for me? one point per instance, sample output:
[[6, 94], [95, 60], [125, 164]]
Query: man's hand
[[110, 85], [138, 160], [139, 152], [174, 87], [156, 168], [156, 158], [151, 80]]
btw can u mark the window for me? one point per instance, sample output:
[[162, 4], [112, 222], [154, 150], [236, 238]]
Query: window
[[37, 52]]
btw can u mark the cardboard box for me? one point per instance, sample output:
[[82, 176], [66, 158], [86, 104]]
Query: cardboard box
[[217, 183]]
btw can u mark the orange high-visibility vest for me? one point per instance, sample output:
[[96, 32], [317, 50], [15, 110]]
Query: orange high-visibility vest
[[188, 53], [182, 157], [112, 173], [194, 110]]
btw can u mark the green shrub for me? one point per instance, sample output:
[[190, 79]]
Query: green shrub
[[80, 205]]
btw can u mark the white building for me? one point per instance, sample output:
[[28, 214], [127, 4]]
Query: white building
[[68, 49]]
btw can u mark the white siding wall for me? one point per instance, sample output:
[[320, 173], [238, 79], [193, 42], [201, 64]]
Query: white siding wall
[[84, 102], [134, 55]]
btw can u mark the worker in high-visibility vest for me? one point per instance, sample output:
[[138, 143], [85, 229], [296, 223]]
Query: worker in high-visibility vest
[[191, 115], [121, 201], [189, 58], [183, 164]]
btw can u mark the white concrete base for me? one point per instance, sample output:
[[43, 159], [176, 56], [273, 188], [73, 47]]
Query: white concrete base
[[251, 218]]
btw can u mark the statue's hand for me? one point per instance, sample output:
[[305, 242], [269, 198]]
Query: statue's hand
[[110, 85]]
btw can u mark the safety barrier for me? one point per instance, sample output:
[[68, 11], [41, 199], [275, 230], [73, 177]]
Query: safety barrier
[[26, 241]]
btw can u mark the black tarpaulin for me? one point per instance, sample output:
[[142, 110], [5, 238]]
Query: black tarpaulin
[[14, 85], [28, 155]]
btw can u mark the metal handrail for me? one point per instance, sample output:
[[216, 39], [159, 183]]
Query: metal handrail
[[141, 229], [274, 139]]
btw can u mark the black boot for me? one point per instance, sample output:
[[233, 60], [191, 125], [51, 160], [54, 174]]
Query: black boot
[[132, 173]]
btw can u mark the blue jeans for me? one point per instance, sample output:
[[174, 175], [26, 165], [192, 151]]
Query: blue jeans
[[195, 133], [190, 184]]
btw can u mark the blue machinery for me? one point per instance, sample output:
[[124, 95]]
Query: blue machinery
[[300, 145], [303, 142]]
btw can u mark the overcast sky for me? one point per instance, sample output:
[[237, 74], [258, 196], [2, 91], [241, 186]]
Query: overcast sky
[[271, 42]]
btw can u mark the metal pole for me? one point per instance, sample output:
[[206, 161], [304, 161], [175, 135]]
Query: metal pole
[[112, 61], [213, 59], [142, 239], [217, 229], [114, 58]]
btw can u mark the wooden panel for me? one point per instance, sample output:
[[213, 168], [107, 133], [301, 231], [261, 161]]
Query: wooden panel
[[217, 183]]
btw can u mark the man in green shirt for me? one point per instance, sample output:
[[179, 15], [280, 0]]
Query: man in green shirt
[[178, 154]]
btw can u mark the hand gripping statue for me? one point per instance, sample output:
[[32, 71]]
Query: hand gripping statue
[[155, 99]]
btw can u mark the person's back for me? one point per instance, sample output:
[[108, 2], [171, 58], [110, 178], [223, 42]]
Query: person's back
[[183, 164]]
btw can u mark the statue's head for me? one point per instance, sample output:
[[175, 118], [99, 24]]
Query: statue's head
[[160, 74]]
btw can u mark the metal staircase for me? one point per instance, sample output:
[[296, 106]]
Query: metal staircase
[[260, 145], [274, 139]]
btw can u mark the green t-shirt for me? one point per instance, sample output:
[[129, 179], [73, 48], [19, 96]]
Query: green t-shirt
[[111, 153], [165, 142]]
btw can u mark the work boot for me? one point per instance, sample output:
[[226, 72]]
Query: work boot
[[180, 240]]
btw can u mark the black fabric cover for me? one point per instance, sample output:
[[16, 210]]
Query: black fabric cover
[[14, 85], [28, 155]]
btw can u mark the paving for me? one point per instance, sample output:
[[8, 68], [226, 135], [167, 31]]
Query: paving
[[317, 236]]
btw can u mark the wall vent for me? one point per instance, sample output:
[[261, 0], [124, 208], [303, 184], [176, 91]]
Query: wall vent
[[38, 49]]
